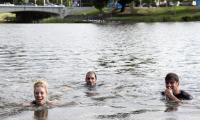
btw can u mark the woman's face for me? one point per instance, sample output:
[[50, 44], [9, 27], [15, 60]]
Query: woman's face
[[40, 95]]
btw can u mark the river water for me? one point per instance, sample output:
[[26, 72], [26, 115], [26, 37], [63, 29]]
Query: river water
[[131, 62]]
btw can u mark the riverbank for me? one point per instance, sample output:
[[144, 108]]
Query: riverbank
[[137, 14], [160, 14], [6, 17]]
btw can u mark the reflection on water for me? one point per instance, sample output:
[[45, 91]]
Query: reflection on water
[[90, 94], [171, 107], [41, 114], [123, 115], [8, 109], [130, 61]]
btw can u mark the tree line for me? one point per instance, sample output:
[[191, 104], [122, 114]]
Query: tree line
[[99, 4]]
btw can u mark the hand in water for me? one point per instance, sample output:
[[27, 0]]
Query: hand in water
[[169, 92], [170, 96]]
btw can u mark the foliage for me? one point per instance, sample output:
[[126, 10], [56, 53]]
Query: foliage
[[161, 14], [100, 4], [18, 1], [123, 4], [147, 1], [6, 17], [6, 1]]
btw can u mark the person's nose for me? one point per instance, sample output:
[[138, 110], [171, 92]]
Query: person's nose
[[39, 95], [90, 80], [168, 85]]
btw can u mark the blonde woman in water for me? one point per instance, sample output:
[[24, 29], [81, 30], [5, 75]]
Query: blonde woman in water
[[41, 94]]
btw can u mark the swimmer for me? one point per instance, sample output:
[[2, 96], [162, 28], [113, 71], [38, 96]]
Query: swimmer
[[41, 94], [91, 78], [173, 91]]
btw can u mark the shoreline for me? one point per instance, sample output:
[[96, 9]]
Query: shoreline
[[135, 15]]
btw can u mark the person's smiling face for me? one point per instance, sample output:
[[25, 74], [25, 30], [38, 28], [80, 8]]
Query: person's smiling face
[[40, 95], [173, 85]]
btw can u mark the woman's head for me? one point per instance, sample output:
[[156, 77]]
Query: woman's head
[[40, 92], [91, 78]]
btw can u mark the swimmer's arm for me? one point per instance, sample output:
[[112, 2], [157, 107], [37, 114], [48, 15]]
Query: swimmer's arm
[[53, 102], [169, 94], [27, 104], [174, 98]]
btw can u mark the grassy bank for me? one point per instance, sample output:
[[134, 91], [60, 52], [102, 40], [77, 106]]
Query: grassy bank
[[79, 17], [160, 14], [6, 17]]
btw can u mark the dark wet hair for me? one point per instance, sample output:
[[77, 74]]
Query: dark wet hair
[[91, 72], [171, 76]]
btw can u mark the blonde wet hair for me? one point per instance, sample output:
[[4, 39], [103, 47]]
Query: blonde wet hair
[[41, 83]]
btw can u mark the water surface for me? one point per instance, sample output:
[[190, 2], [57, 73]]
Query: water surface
[[131, 62]]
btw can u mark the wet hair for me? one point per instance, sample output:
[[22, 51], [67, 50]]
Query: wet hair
[[41, 83], [171, 76], [91, 72]]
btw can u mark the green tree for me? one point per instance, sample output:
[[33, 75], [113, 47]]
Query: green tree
[[18, 1], [123, 4], [148, 2], [100, 4], [6, 1]]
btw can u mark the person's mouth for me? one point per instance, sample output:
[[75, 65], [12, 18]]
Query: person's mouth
[[39, 100], [89, 83]]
